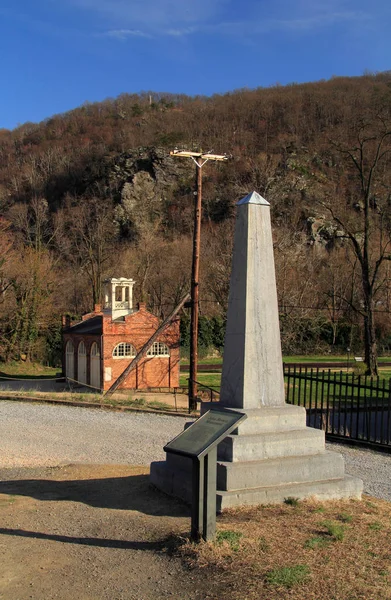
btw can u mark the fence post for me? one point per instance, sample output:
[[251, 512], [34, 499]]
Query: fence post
[[389, 411], [358, 405], [370, 410], [376, 399], [322, 401], [316, 395], [345, 429], [339, 403], [352, 407], [294, 387], [365, 417], [382, 413], [310, 402], [328, 401], [334, 402]]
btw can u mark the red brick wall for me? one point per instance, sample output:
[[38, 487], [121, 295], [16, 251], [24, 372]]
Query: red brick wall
[[136, 329]]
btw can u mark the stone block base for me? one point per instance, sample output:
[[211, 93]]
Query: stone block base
[[272, 456], [178, 483], [334, 489]]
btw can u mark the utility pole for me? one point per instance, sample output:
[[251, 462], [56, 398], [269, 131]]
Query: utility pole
[[200, 159]]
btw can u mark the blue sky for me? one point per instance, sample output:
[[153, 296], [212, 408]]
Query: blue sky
[[57, 54]]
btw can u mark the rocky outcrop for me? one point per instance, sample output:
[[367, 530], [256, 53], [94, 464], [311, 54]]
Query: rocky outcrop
[[143, 182]]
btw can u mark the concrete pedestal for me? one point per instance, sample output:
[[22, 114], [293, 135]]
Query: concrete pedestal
[[272, 456]]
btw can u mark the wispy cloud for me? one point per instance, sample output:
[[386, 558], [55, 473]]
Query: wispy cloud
[[163, 14], [181, 32], [124, 34], [180, 19], [252, 28], [311, 22]]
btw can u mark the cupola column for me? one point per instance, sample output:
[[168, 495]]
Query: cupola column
[[121, 293]]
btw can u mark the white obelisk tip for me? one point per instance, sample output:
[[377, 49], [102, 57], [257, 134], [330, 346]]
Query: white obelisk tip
[[253, 198]]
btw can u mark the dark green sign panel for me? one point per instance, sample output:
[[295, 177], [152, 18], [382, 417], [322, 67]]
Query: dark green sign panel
[[207, 431]]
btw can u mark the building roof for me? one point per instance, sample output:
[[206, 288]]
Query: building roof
[[90, 326]]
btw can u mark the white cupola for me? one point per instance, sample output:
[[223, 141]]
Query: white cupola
[[118, 296]]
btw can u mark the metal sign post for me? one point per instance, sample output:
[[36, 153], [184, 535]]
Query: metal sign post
[[199, 443]]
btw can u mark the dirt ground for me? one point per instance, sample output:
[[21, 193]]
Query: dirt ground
[[92, 533]]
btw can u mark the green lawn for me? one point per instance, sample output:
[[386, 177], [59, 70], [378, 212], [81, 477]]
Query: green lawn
[[208, 379], [315, 358], [345, 387], [27, 370], [304, 389], [213, 360], [328, 359], [218, 360], [385, 372]]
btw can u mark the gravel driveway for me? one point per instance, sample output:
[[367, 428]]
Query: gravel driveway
[[44, 435], [374, 468], [78, 520]]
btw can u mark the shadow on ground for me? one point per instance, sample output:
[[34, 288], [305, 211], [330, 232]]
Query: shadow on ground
[[168, 544], [133, 492]]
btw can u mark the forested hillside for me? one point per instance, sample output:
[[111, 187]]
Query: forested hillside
[[93, 193]]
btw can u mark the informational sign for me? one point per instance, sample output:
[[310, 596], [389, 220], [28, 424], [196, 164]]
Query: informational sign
[[199, 442], [207, 431]]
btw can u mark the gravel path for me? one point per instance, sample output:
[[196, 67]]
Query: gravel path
[[33, 435], [374, 468]]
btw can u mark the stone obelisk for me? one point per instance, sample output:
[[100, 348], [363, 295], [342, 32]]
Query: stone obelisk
[[252, 368], [273, 454]]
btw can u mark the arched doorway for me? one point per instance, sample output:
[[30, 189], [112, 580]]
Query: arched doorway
[[82, 363], [70, 360], [95, 366]]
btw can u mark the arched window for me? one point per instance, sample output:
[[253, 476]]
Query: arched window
[[158, 349], [95, 349], [124, 350], [95, 366], [70, 360], [69, 347], [82, 363]]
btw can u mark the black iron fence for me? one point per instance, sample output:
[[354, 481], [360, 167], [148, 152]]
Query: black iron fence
[[344, 405], [206, 393]]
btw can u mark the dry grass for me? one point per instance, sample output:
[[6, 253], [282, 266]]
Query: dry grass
[[339, 550]]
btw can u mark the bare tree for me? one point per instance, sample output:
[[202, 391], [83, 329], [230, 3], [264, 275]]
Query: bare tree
[[33, 223], [86, 236], [361, 210], [339, 281], [6, 256], [216, 255]]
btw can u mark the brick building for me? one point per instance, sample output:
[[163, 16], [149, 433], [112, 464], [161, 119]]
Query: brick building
[[97, 349]]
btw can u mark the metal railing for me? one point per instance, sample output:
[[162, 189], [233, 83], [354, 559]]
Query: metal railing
[[344, 405], [206, 393]]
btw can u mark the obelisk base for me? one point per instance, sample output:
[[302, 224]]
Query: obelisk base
[[272, 456]]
